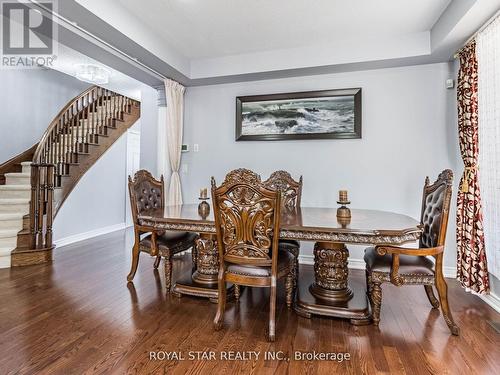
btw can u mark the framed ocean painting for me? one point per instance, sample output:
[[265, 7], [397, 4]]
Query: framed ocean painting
[[327, 114]]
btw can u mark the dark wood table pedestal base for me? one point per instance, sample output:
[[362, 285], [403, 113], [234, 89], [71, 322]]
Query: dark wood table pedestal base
[[328, 292], [203, 282]]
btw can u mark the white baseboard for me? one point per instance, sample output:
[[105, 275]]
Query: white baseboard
[[86, 235], [493, 300], [359, 264]]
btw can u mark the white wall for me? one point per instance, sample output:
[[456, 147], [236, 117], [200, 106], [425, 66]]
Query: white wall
[[29, 100], [97, 202], [409, 131]]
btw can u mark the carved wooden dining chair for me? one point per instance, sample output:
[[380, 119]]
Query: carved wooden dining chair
[[247, 218], [407, 266], [147, 196], [291, 194]]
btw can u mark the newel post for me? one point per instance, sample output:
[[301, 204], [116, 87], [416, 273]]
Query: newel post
[[35, 171], [49, 204]]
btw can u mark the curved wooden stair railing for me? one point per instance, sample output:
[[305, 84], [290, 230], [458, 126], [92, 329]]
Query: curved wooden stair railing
[[77, 137]]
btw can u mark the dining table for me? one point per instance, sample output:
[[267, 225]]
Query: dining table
[[328, 291]]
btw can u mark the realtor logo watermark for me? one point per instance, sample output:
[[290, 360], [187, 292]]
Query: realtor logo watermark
[[28, 34]]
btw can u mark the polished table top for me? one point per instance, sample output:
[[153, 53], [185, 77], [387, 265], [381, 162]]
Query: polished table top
[[304, 223]]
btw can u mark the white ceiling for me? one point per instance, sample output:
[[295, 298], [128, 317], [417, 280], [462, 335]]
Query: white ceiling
[[214, 41], [215, 28], [68, 59]]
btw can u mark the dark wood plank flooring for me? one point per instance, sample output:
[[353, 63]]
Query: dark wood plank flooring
[[78, 316]]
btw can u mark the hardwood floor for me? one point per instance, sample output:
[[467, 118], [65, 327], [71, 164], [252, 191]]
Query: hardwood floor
[[78, 316]]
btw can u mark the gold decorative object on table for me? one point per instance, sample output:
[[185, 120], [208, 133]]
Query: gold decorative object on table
[[204, 207], [343, 212]]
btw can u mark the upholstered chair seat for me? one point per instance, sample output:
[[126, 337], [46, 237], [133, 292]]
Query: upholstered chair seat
[[169, 242], [291, 246], [408, 265], [285, 262]]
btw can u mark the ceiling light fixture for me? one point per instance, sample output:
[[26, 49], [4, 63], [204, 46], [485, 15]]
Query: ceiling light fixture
[[92, 73]]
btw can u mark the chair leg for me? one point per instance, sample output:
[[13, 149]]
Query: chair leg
[[135, 262], [236, 292], [168, 272], [194, 256], [157, 262], [368, 284], [376, 301], [430, 295], [296, 272], [442, 288], [272, 313], [289, 284], [221, 301]]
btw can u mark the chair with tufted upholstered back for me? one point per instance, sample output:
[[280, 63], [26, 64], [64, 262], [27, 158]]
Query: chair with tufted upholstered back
[[147, 196], [291, 194], [406, 266]]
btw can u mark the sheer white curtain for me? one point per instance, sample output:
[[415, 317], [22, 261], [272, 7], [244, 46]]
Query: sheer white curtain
[[174, 93], [488, 58]]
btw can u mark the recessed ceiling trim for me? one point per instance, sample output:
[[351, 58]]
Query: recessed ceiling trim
[[73, 26]]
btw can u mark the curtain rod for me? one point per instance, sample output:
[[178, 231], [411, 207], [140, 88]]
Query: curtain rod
[[96, 38], [473, 36]]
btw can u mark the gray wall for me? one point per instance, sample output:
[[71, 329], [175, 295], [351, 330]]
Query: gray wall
[[29, 100], [149, 128], [409, 132]]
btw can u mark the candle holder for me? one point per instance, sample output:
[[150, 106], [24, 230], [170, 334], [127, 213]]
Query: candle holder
[[344, 221], [204, 207], [343, 212]]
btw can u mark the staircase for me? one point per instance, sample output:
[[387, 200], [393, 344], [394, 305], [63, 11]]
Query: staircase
[[35, 183], [14, 205]]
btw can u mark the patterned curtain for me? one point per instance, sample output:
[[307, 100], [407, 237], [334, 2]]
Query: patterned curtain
[[472, 270]]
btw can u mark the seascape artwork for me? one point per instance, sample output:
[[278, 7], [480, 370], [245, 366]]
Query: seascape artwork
[[305, 117]]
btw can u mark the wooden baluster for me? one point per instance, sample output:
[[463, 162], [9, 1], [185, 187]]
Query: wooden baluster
[[58, 148], [106, 116], [60, 125], [71, 147], [75, 128], [87, 121], [115, 108], [110, 107], [65, 139], [34, 204], [120, 107], [50, 148], [115, 105], [94, 112], [49, 205], [110, 112], [67, 154], [47, 149], [100, 113], [81, 133], [80, 125]]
